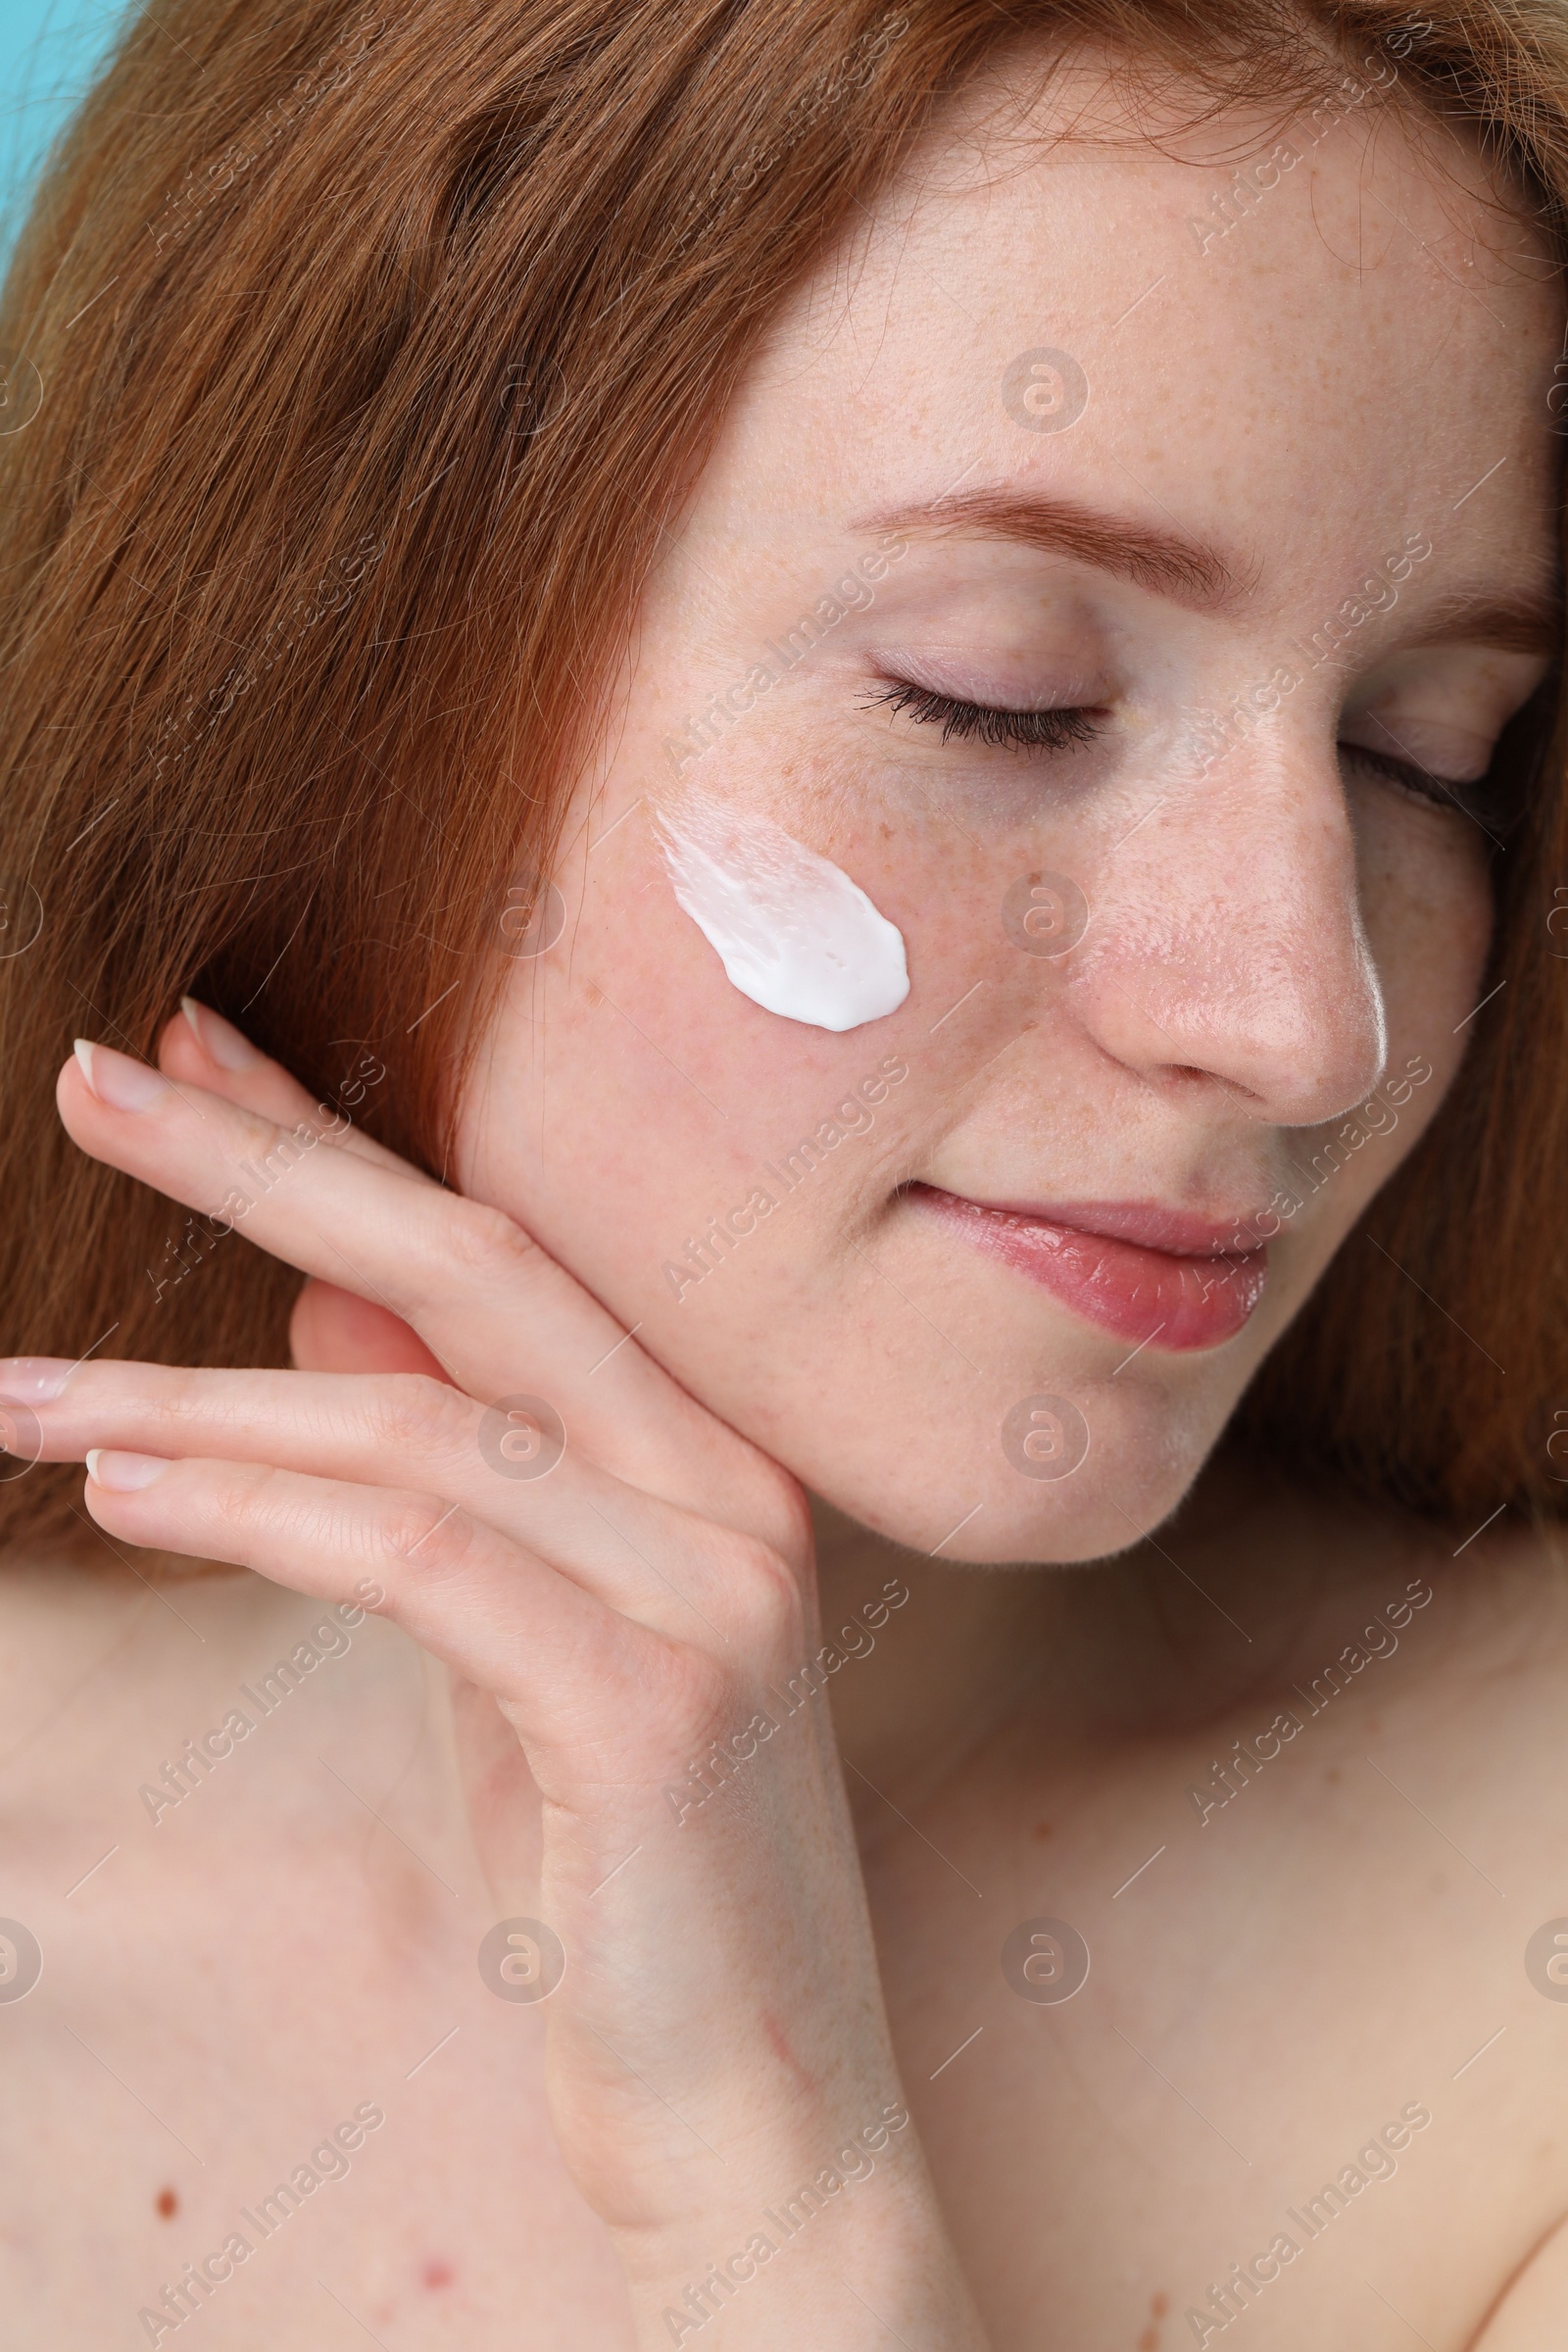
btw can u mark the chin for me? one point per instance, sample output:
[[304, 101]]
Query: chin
[[1047, 1481]]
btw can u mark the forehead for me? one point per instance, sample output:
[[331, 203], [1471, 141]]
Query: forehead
[[1331, 320]]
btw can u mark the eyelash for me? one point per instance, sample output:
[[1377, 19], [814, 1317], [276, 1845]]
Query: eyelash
[[1062, 730], [981, 722], [1405, 773]]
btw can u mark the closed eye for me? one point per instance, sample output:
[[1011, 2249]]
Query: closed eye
[[984, 722], [1415, 780], [1059, 731]]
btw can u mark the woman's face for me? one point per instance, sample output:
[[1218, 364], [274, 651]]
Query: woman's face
[[1262, 486]]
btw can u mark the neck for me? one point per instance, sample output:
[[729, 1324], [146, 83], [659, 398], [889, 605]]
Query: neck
[[1224, 1598]]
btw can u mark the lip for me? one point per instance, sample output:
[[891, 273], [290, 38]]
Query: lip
[[1158, 1276]]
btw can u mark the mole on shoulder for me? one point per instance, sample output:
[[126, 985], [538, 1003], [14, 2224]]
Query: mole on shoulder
[[167, 2203]]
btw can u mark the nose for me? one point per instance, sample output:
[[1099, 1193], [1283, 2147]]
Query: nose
[[1228, 943]]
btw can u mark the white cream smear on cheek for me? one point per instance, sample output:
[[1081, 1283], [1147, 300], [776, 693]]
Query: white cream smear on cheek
[[791, 929]]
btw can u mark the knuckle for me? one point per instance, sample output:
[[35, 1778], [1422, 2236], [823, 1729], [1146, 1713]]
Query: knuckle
[[265, 1144], [413, 1413], [169, 1405], [485, 1239], [422, 1533], [245, 1494], [766, 1597], [785, 1511]]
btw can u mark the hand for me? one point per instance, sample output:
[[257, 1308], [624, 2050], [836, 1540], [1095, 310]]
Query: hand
[[634, 1600]]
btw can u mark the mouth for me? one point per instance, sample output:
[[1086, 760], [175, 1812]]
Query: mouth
[[1153, 1275]]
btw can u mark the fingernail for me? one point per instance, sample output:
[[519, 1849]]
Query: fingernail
[[124, 1084], [218, 1039], [124, 1473], [33, 1379]]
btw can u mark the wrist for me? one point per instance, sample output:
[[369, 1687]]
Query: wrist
[[842, 2250]]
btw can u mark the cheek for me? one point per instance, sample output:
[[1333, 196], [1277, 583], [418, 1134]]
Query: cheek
[[632, 1094]]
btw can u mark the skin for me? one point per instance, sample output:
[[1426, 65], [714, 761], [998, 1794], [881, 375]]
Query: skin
[[1177, 1054], [757, 1980]]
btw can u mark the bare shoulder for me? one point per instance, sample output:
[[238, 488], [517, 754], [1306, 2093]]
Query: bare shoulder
[[1456, 1641], [1499, 1605], [1478, 1599]]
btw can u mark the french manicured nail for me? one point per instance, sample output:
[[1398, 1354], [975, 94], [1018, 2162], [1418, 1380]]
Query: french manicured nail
[[218, 1039], [124, 1473], [33, 1379], [124, 1084]]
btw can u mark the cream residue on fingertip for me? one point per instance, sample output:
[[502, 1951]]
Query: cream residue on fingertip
[[793, 932]]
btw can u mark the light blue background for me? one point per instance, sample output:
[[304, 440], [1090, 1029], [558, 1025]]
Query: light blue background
[[48, 51]]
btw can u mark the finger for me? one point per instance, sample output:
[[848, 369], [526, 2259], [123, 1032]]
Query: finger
[[646, 1558], [500, 1314], [501, 1797], [429, 1256], [575, 1673], [200, 1049], [329, 1330], [641, 1555]]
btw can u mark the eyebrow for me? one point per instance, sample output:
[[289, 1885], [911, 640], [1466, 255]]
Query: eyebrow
[[1519, 622], [1169, 562], [1194, 572]]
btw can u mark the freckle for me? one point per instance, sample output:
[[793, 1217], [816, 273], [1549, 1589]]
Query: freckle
[[1160, 2304], [1042, 1829], [436, 2274], [1149, 2341], [167, 2203], [1334, 1775]]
